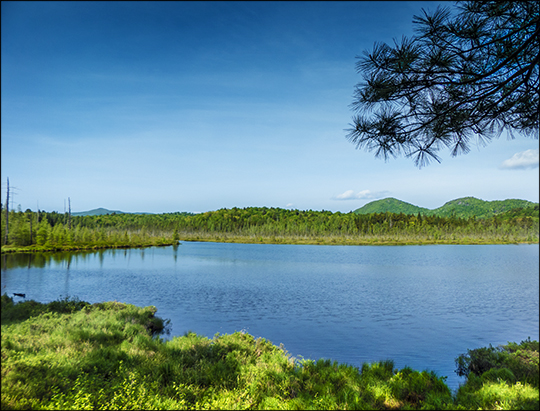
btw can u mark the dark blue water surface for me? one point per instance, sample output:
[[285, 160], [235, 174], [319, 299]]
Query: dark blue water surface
[[421, 306]]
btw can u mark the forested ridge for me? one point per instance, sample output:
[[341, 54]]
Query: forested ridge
[[265, 225], [460, 207]]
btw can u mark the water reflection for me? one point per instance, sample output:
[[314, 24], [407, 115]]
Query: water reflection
[[26, 260], [175, 252], [51, 259], [419, 305], [65, 259]]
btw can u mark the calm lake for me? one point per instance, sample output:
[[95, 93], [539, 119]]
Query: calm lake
[[421, 306]]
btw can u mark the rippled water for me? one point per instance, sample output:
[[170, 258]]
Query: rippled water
[[421, 306]]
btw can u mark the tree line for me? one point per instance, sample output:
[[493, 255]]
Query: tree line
[[52, 229]]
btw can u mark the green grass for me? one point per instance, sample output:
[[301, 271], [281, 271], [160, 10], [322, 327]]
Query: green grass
[[367, 239], [85, 247], [73, 355]]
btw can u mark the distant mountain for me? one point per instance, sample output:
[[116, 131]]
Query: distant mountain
[[101, 211], [462, 207]]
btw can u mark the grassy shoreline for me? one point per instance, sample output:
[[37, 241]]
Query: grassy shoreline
[[280, 239], [349, 240], [44, 249], [70, 354]]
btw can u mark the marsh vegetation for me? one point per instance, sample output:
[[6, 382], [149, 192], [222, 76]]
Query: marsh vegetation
[[70, 354]]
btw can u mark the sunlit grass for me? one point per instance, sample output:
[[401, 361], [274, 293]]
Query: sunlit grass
[[498, 395], [363, 239], [72, 355], [247, 237]]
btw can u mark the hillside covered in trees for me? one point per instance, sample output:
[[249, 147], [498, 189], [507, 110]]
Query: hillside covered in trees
[[54, 230], [465, 207]]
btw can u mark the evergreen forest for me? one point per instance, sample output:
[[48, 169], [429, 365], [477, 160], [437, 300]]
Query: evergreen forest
[[40, 231]]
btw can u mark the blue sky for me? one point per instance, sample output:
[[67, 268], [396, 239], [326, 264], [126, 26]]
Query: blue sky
[[196, 106]]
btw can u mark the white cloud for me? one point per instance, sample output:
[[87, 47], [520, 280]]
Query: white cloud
[[523, 160], [362, 195], [347, 195], [290, 205]]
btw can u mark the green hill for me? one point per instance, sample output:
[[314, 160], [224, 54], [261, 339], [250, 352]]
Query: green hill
[[462, 207], [469, 206], [391, 205]]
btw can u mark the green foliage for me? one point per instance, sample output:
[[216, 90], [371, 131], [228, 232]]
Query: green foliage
[[420, 388], [30, 308], [519, 360], [504, 377], [466, 207], [75, 355], [391, 205], [52, 233], [472, 207], [480, 360], [275, 225], [176, 236]]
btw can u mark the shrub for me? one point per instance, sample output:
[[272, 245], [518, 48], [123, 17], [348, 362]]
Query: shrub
[[520, 359]]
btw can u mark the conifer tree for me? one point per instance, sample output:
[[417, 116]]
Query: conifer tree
[[464, 76], [44, 232]]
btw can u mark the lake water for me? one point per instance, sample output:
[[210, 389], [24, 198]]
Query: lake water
[[421, 306]]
